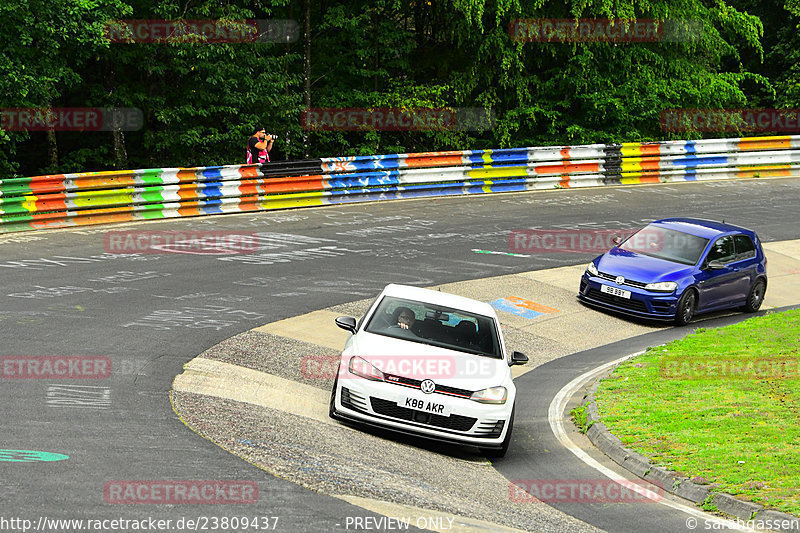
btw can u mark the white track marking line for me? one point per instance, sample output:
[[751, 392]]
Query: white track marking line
[[557, 407]]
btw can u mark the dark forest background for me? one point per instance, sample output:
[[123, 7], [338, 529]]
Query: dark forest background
[[200, 100]]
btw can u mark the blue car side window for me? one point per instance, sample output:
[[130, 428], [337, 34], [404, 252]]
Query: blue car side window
[[723, 250], [745, 249]]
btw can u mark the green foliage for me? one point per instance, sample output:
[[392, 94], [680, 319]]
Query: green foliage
[[787, 53], [580, 418], [44, 47], [200, 100]]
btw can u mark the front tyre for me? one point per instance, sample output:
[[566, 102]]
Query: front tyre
[[686, 307], [494, 452], [755, 297]]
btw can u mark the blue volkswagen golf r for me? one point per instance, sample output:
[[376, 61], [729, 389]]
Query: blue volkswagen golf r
[[676, 267]]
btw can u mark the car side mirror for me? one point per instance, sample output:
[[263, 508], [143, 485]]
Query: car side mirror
[[347, 323], [518, 358], [617, 240], [715, 265]]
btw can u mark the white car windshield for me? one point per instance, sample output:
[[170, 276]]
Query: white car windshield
[[435, 325]]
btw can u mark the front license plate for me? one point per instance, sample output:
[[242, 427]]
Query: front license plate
[[615, 291], [426, 406]]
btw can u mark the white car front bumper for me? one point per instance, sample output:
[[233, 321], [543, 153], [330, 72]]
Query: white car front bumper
[[389, 405]]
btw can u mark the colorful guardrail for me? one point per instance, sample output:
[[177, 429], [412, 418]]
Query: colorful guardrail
[[64, 200]]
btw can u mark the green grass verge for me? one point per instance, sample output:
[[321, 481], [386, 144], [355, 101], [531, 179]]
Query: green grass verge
[[580, 418], [721, 404]]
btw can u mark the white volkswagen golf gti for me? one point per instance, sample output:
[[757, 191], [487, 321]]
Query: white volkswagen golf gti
[[428, 363]]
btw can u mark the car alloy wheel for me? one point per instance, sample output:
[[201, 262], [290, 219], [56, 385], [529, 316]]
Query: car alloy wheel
[[755, 297], [686, 308]]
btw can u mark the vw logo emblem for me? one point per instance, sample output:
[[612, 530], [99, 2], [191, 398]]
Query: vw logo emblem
[[427, 386], [620, 280]]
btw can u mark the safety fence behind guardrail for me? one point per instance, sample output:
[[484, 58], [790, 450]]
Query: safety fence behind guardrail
[[64, 200]]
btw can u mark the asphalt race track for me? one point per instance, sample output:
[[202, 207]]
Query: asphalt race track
[[65, 294]]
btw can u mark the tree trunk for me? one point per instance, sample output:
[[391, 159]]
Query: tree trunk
[[120, 154], [117, 137], [376, 58], [52, 152], [306, 66]]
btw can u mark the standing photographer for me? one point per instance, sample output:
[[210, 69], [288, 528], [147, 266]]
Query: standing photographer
[[258, 146]]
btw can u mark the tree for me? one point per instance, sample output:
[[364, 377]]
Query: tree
[[43, 48], [200, 98]]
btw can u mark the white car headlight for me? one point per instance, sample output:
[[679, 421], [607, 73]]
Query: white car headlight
[[363, 368], [662, 286], [490, 395], [591, 269]]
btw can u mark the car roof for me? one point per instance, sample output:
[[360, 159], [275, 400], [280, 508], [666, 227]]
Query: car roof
[[700, 227], [439, 298]]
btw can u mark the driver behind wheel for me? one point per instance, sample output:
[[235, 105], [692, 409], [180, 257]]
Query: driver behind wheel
[[404, 317]]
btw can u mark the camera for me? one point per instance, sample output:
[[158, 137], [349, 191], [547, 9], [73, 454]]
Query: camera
[[271, 136]]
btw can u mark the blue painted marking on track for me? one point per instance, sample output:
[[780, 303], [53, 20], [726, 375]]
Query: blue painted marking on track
[[30, 456], [691, 147], [504, 305]]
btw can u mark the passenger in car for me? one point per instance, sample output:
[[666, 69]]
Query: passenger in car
[[465, 333]]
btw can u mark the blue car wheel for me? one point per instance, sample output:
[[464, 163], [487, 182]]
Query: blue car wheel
[[686, 307], [755, 296]]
